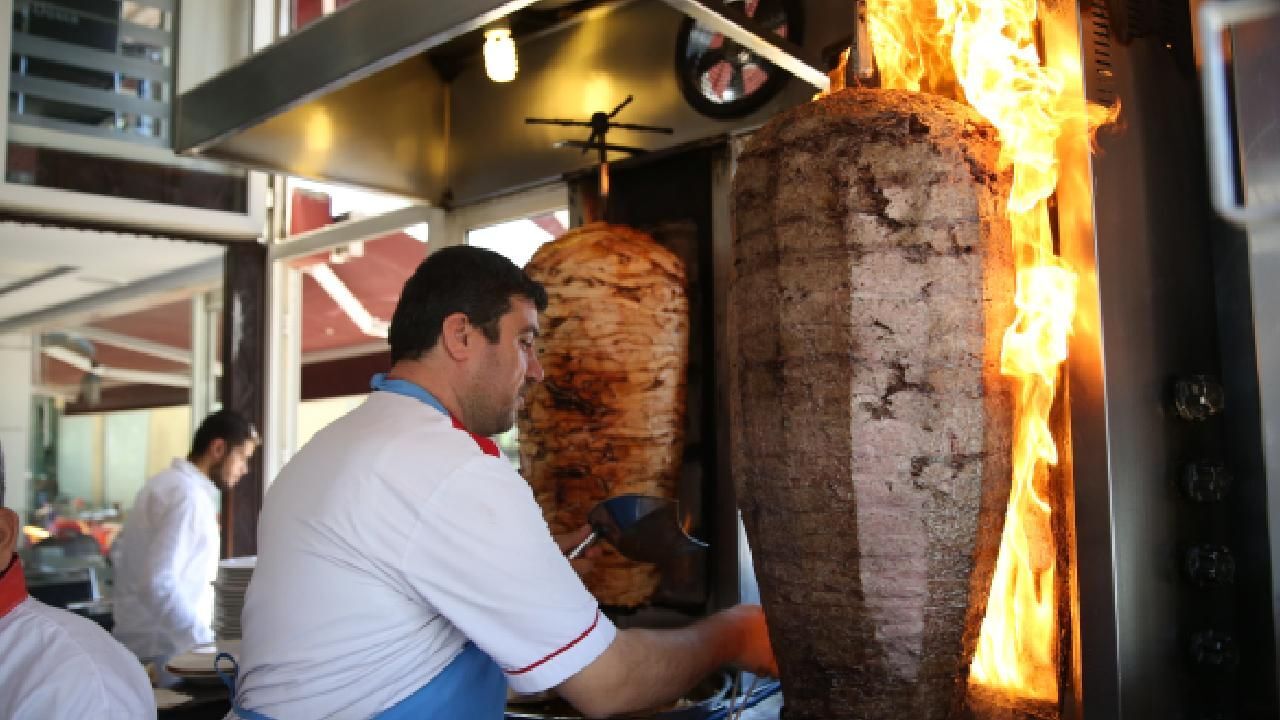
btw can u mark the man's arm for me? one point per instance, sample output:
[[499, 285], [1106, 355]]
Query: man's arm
[[646, 668], [169, 550]]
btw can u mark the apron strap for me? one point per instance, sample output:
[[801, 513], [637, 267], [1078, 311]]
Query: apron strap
[[229, 679]]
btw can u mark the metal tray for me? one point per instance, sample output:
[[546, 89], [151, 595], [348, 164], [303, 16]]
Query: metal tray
[[709, 693]]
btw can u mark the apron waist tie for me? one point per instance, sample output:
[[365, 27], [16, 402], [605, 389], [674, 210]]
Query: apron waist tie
[[229, 679], [471, 686]]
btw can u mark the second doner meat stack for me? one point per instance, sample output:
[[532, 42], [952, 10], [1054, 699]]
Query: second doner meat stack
[[608, 418]]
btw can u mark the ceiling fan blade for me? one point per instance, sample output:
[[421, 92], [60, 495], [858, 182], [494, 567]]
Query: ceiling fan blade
[[645, 128], [556, 121], [710, 59], [621, 105]]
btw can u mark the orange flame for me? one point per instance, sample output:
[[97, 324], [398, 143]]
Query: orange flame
[[988, 49], [909, 42]]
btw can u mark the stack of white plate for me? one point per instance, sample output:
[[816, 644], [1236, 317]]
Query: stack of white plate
[[228, 599], [198, 665]]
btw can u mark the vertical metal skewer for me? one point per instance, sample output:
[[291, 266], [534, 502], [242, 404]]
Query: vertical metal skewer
[[862, 64]]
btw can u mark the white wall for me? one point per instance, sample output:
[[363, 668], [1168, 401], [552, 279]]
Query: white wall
[[315, 415], [15, 418]]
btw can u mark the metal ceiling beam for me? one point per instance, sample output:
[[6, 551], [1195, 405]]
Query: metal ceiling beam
[[346, 301], [342, 353], [26, 282], [135, 344], [146, 377], [731, 22], [350, 231], [121, 300], [331, 53]]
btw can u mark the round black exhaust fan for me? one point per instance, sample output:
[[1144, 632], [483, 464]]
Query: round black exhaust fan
[[721, 78]]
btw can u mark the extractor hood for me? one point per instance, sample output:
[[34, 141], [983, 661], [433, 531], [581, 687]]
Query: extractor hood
[[361, 97]]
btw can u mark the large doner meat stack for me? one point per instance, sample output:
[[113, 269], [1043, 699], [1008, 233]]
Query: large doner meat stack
[[608, 418], [873, 280]]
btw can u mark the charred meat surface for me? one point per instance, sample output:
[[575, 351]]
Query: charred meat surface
[[608, 417], [873, 279]]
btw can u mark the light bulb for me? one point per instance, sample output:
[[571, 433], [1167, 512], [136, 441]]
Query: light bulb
[[499, 55]]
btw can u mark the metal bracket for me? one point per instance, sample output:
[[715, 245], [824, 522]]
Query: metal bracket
[[861, 63], [1216, 18]]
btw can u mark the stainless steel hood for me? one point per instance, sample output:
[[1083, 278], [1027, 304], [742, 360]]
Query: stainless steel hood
[[356, 98]]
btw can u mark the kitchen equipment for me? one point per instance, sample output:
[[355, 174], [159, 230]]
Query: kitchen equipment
[[644, 528], [704, 701], [198, 665], [601, 123], [230, 587]]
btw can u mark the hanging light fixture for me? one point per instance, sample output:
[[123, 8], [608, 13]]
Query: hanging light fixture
[[91, 386], [500, 55]]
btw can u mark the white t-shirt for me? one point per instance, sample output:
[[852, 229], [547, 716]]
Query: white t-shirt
[[384, 546], [56, 665], [166, 559]]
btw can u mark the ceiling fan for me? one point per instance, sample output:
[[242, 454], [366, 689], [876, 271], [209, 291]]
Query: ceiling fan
[[601, 123]]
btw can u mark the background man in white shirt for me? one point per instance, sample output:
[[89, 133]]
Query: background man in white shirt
[[404, 567], [167, 554], [56, 665]]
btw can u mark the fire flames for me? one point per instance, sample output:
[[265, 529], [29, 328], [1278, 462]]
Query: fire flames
[[985, 52]]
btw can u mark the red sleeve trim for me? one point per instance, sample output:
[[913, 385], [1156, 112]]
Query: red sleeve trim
[[549, 657]]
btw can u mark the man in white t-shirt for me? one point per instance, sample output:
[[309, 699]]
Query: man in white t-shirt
[[56, 665], [404, 567], [166, 557]]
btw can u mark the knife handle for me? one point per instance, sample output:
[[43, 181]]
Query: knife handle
[[582, 546]]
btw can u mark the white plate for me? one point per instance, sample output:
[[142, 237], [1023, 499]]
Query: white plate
[[167, 699], [199, 661]]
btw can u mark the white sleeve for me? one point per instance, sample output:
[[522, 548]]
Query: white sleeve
[[129, 694], [483, 556], [84, 689], [176, 525], [80, 673], [126, 690]]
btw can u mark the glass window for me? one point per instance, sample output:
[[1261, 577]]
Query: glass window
[[520, 239]]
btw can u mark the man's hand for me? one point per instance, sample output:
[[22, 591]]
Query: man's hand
[[570, 540], [750, 633], [645, 668]]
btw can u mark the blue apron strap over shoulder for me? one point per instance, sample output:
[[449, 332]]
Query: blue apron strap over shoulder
[[404, 387], [408, 389]]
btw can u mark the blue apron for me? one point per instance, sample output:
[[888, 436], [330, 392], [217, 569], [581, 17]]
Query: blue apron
[[471, 687]]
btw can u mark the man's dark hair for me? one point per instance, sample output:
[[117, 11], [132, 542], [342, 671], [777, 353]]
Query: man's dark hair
[[225, 424], [476, 282]]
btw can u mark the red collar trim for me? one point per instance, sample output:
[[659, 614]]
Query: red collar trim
[[488, 446], [13, 586]]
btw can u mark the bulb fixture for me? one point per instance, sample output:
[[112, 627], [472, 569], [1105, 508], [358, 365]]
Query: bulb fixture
[[500, 55]]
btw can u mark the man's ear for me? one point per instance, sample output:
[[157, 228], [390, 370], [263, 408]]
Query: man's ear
[[455, 336], [217, 449], [8, 534]]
